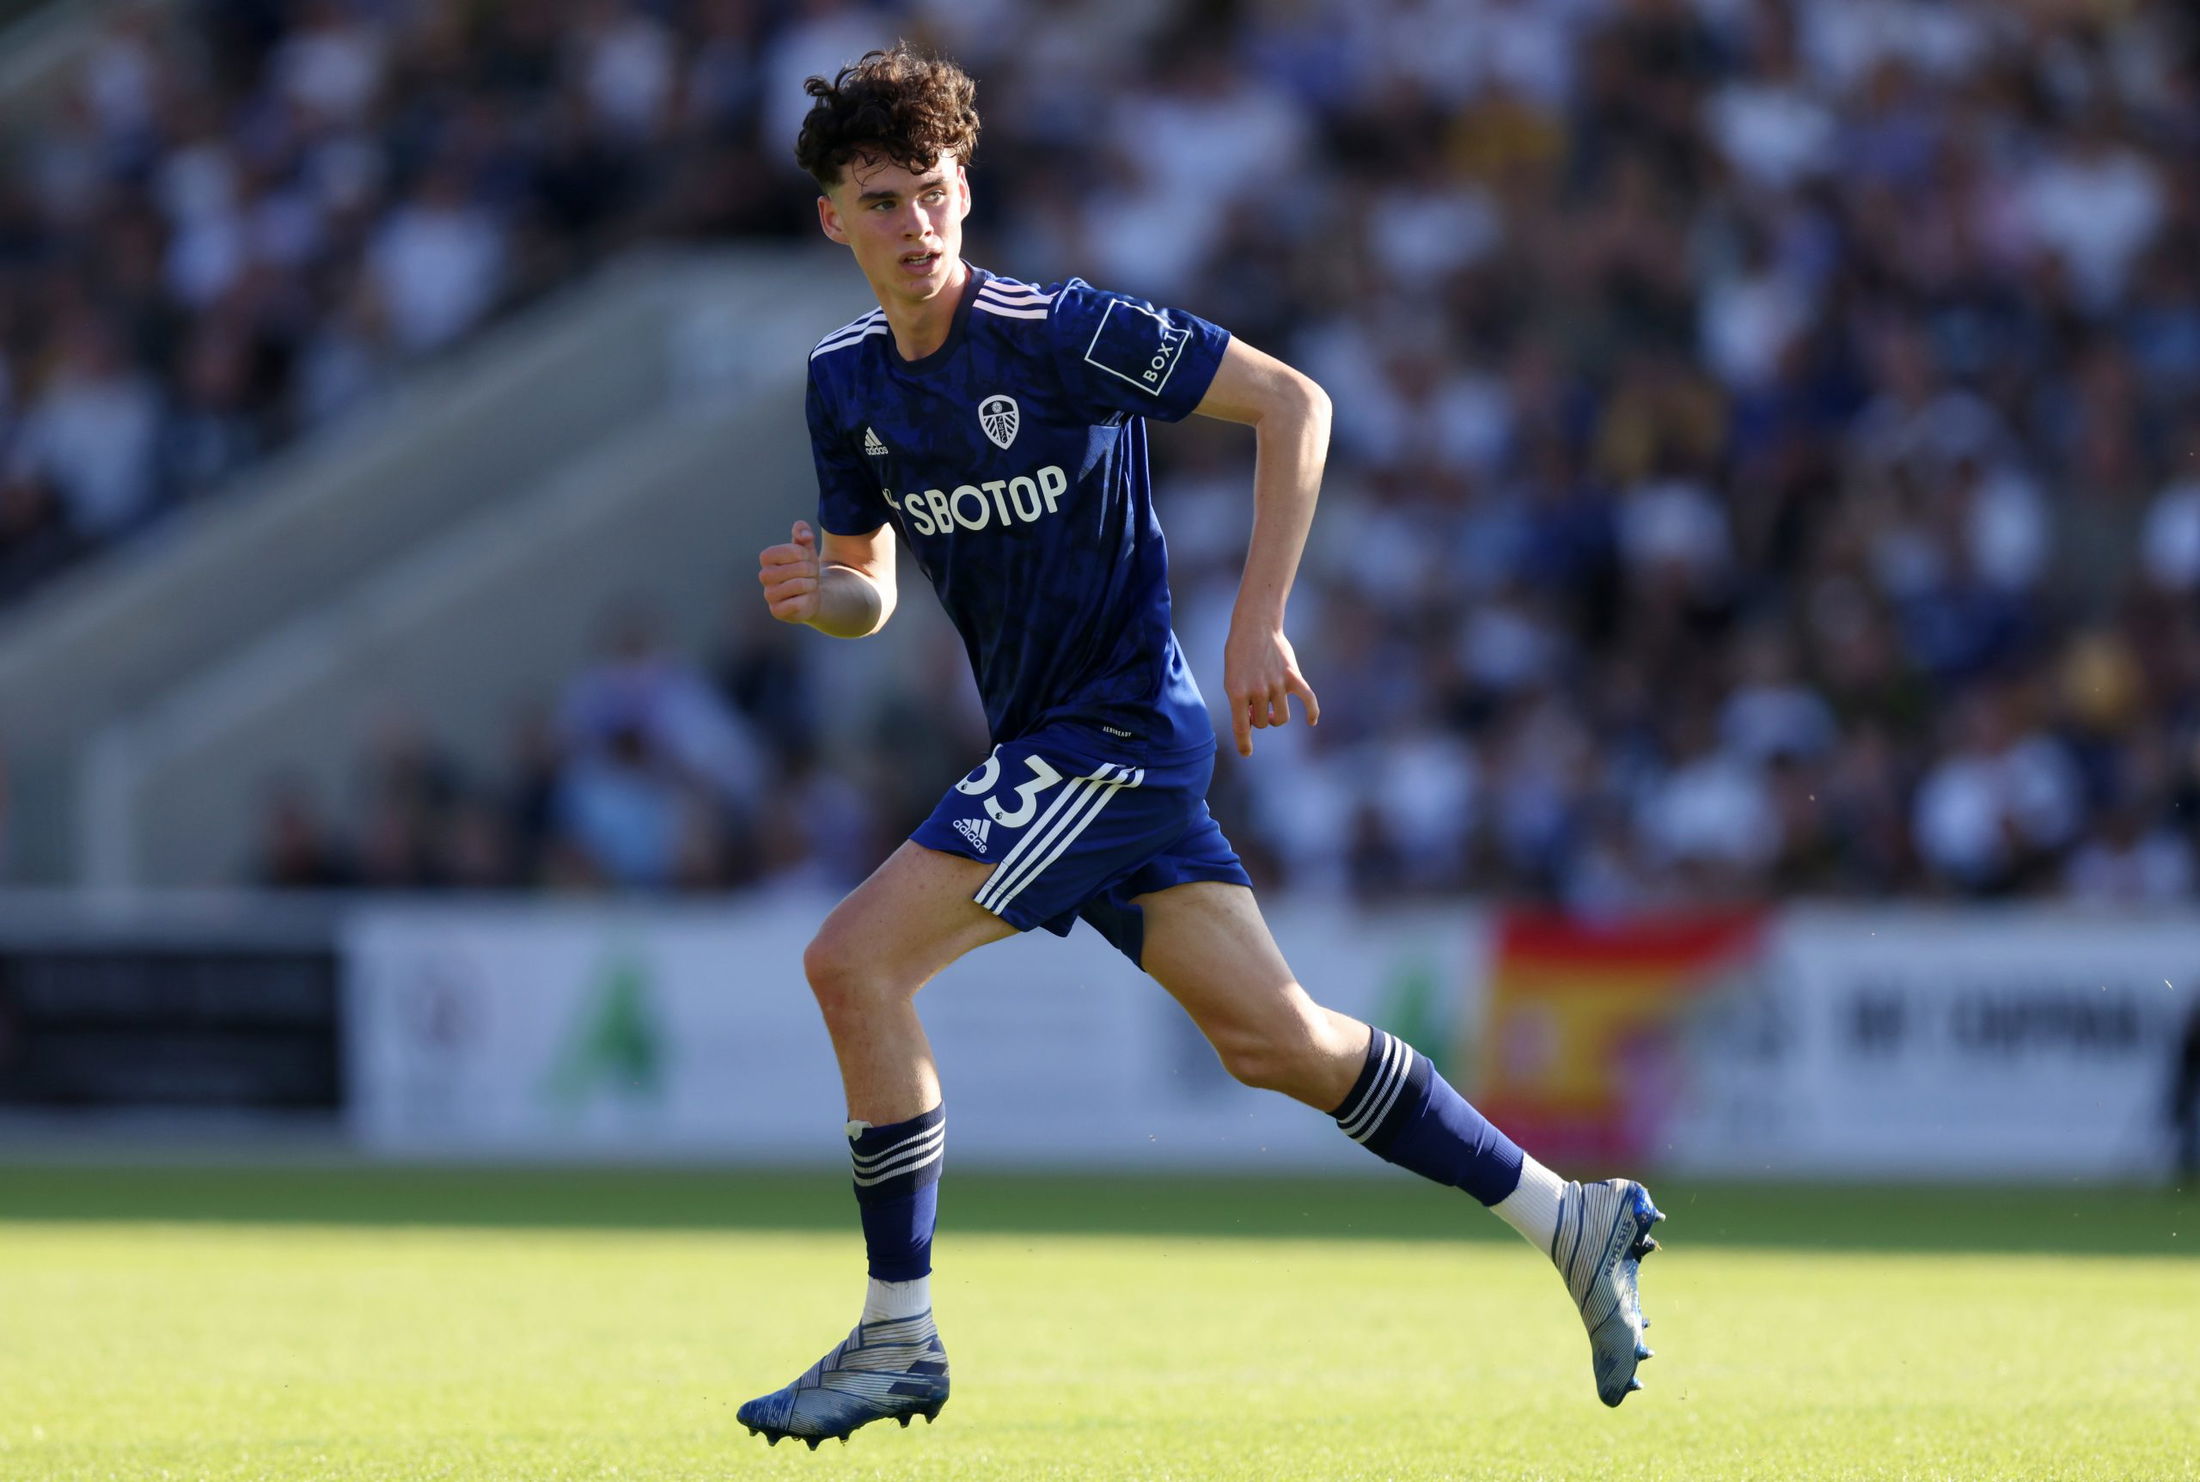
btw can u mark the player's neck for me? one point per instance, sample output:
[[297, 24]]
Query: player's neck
[[922, 326]]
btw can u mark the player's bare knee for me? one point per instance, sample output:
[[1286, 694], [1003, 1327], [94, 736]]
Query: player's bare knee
[[1263, 1058], [1257, 1068], [844, 979]]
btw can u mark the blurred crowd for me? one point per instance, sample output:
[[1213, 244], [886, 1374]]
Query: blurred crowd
[[240, 218], [1768, 431], [650, 771]]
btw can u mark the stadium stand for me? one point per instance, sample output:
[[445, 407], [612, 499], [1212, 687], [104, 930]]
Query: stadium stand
[[1705, 522]]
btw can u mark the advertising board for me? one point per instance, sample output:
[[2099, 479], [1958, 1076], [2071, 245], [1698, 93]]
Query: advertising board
[[1790, 1044], [138, 1022], [668, 1033]]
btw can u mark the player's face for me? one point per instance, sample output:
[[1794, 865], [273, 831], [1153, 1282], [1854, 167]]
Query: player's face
[[904, 226]]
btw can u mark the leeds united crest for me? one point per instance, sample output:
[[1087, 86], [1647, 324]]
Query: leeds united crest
[[998, 416]]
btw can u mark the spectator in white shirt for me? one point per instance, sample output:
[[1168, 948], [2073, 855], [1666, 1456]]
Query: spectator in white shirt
[[92, 434], [437, 263], [1996, 800], [2095, 203], [331, 64], [641, 685]]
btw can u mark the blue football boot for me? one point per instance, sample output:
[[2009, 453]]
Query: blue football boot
[[889, 1370], [1603, 1234]]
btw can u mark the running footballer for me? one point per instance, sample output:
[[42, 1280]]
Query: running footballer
[[994, 433]]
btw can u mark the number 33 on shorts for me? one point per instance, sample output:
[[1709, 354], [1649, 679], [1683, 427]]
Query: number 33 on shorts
[[982, 781], [1063, 828]]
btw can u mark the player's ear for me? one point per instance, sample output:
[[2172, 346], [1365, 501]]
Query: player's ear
[[962, 178], [828, 220]]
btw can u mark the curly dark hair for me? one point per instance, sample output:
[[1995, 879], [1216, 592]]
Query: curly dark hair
[[898, 105]]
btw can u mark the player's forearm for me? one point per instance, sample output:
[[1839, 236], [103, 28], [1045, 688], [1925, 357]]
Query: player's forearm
[[850, 604], [1291, 444]]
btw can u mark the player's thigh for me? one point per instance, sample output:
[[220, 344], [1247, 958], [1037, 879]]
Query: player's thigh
[[1208, 945], [911, 918]]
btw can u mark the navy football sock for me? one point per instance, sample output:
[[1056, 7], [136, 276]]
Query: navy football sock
[[1406, 1113], [897, 1176]]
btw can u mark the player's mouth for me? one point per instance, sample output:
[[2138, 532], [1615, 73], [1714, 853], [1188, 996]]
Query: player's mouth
[[919, 264]]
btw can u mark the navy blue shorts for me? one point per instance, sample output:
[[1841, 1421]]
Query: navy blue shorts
[[1074, 835]]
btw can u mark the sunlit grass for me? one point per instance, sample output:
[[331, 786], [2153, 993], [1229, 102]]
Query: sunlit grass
[[133, 1348]]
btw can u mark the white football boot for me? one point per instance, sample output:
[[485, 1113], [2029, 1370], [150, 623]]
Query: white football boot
[[1603, 1234]]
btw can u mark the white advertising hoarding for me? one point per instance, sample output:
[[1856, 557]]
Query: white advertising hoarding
[[1804, 1043], [555, 1031], [1988, 1045]]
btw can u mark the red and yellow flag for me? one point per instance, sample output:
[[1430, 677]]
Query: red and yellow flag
[[1580, 1050]]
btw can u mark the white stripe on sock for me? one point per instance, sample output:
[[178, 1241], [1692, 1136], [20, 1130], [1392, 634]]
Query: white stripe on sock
[[930, 1136], [1387, 1069], [1396, 1089], [908, 1163]]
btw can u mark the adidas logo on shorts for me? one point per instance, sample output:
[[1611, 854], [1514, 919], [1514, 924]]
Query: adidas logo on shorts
[[976, 830]]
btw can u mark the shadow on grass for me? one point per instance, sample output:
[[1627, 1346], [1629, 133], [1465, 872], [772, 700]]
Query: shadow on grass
[[2059, 1219]]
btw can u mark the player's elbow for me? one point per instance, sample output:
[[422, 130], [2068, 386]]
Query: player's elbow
[[1314, 399], [1295, 401], [857, 602], [873, 618], [879, 590]]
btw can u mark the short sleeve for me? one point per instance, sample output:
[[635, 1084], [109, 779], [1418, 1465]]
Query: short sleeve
[[848, 497], [1122, 354]]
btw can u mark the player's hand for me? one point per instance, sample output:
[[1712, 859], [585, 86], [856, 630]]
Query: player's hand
[[1260, 674], [791, 577]]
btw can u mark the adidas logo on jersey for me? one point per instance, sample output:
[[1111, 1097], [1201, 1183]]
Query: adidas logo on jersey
[[976, 830], [872, 445]]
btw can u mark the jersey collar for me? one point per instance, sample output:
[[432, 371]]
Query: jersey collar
[[948, 346]]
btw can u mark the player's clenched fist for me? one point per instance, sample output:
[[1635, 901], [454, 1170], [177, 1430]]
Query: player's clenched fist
[[790, 576]]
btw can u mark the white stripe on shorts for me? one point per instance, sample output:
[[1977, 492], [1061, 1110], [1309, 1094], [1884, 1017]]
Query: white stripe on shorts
[[1032, 836], [1005, 885]]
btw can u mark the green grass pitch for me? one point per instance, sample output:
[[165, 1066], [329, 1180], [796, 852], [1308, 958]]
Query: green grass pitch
[[181, 1323]]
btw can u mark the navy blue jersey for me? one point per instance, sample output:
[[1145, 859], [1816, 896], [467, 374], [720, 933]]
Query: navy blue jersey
[[1011, 462]]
